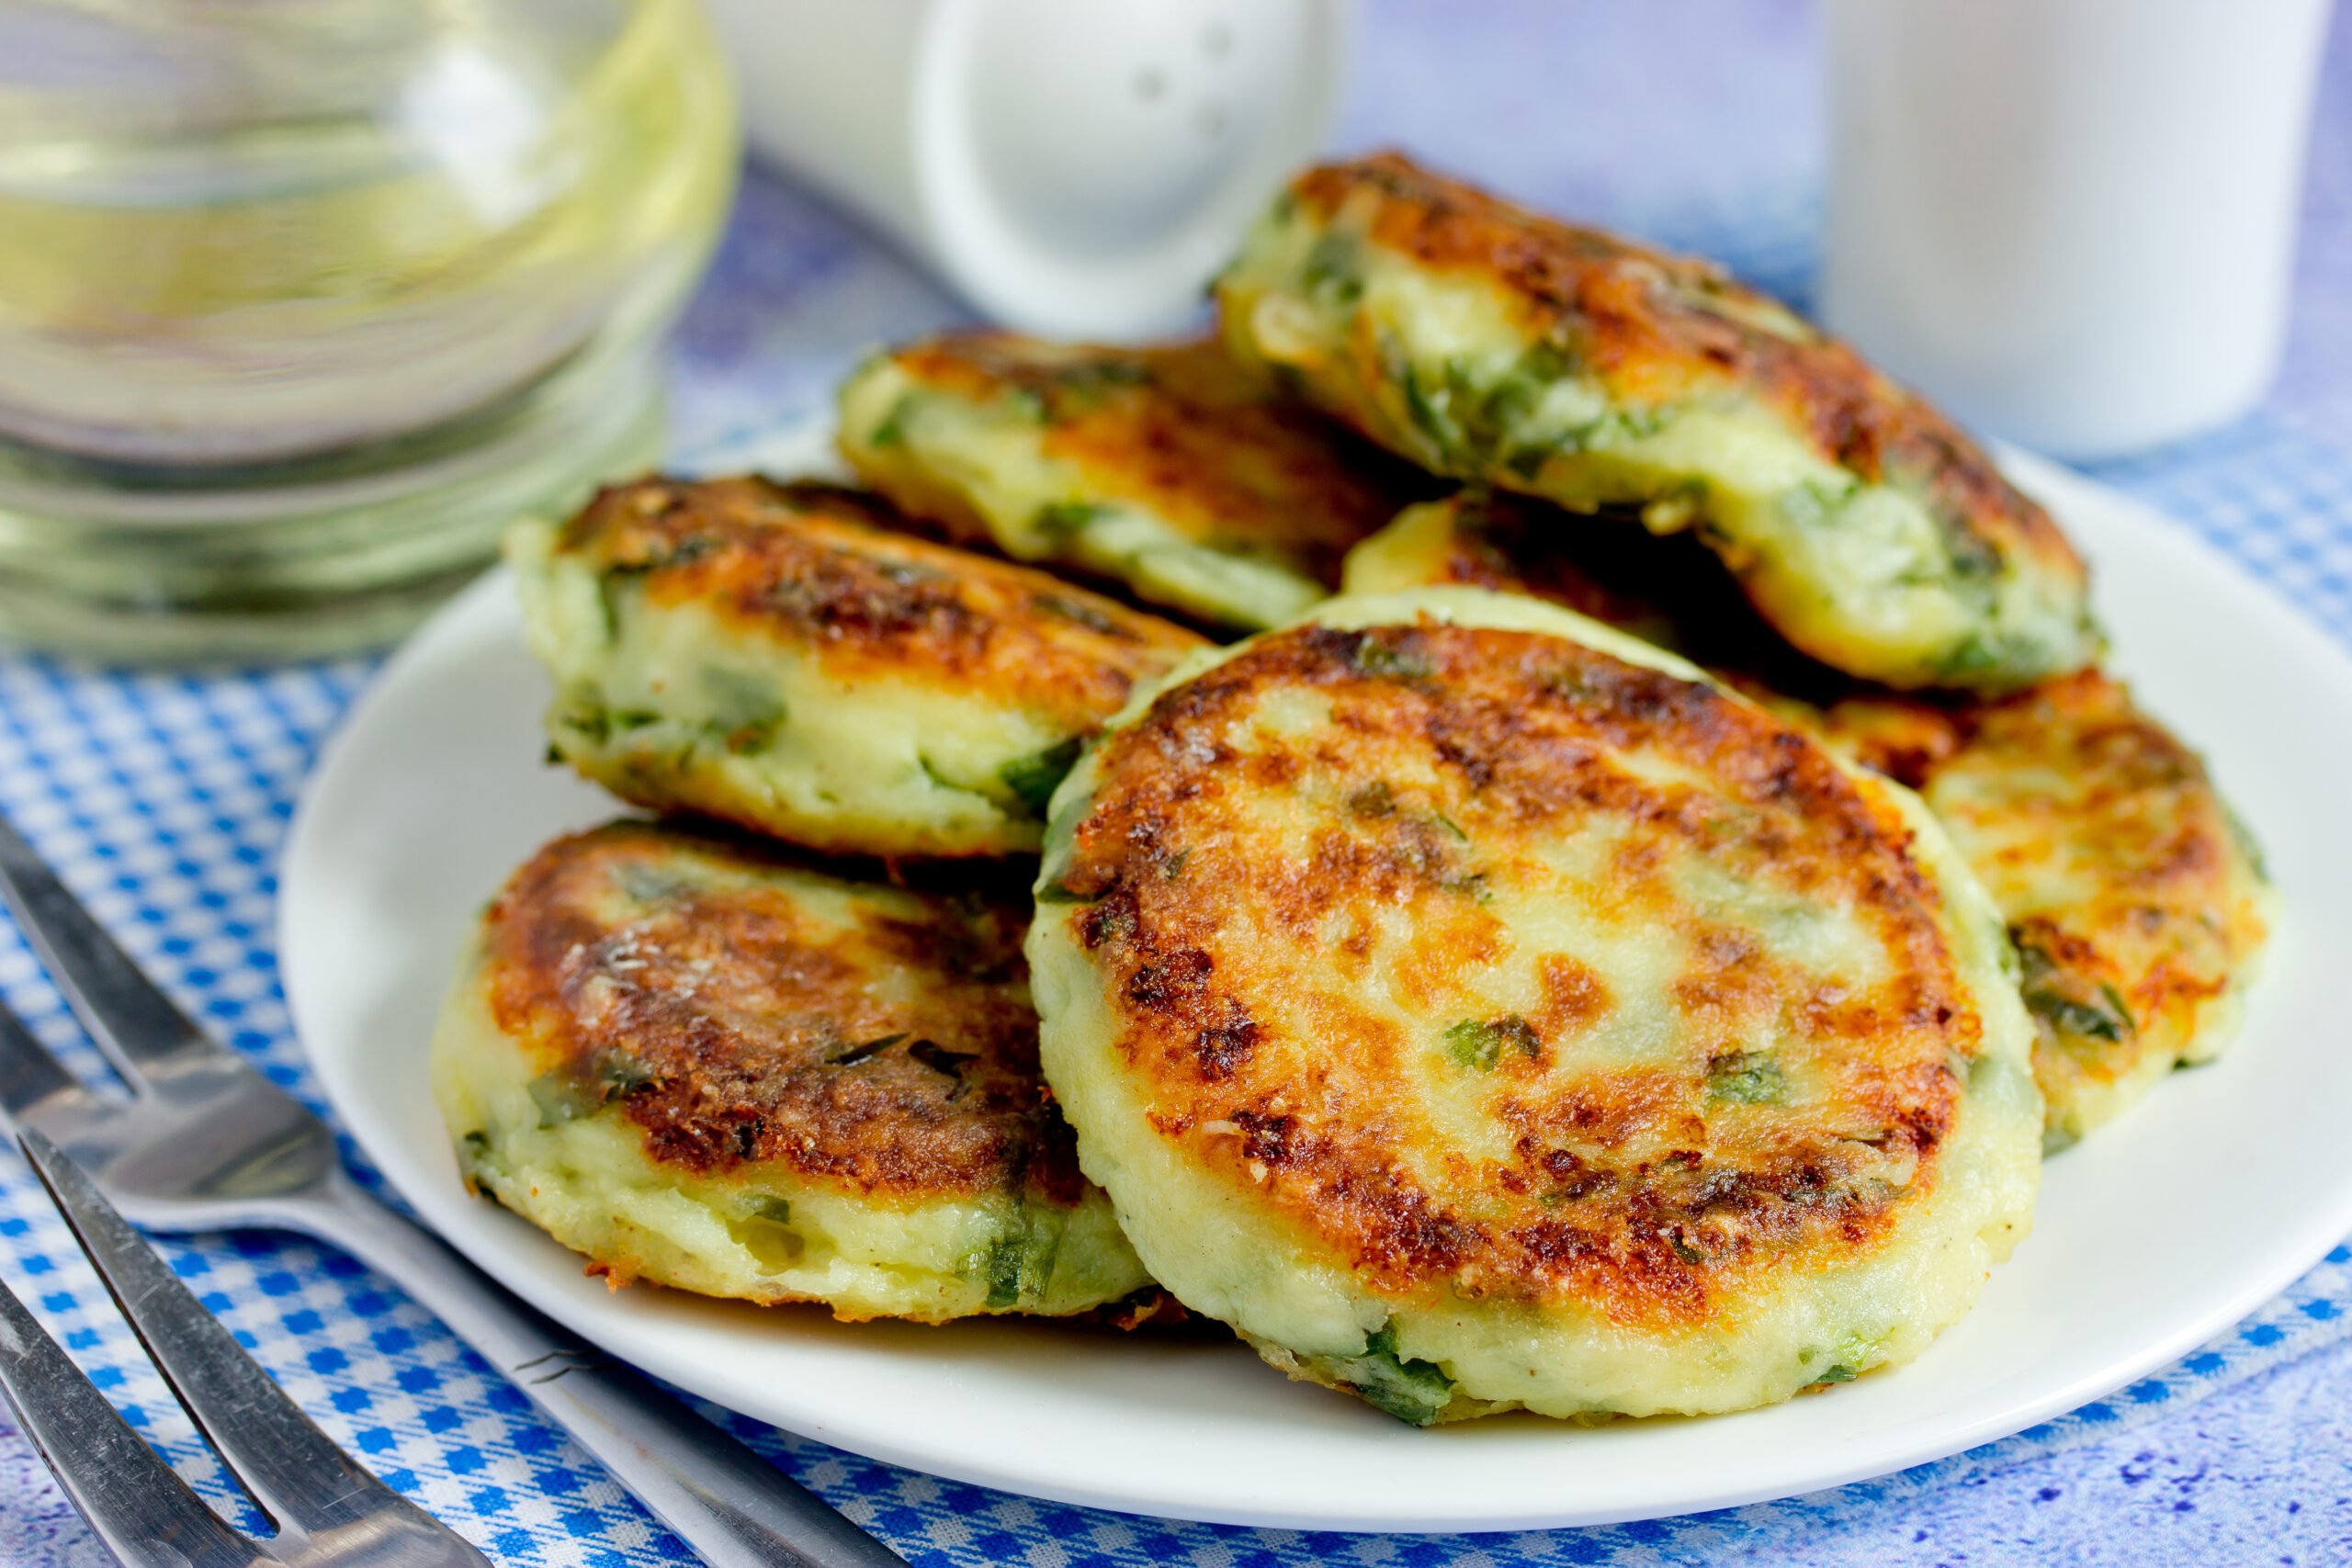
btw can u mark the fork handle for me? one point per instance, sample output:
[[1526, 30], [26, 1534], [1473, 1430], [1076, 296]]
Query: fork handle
[[732, 1508]]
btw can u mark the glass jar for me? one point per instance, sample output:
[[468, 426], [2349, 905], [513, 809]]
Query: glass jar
[[301, 301]]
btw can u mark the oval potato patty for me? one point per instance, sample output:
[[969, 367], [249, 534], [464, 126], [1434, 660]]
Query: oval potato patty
[[1169, 470], [1477, 1009], [710, 1068], [2135, 897], [1495, 346], [773, 656]]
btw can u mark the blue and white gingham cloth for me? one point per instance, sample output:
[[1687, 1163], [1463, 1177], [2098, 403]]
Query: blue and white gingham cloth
[[163, 800]]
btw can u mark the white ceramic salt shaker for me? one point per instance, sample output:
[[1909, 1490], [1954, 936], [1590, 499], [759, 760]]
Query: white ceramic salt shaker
[[1074, 167], [2072, 221]]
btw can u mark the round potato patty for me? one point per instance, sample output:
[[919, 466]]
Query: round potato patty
[[2136, 899], [774, 655], [1492, 345], [1477, 1008], [1168, 468], [710, 1068]]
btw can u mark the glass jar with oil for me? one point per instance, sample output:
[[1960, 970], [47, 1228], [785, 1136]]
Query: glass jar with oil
[[301, 301]]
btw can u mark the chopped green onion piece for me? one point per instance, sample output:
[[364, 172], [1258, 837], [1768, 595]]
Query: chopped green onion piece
[[1414, 1391], [1374, 656], [1033, 779], [1480, 1042], [619, 1072], [892, 431], [1748, 1077], [2048, 995], [1060, 519]]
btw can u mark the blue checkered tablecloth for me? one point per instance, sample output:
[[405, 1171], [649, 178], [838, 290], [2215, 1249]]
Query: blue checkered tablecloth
[[165, 799]]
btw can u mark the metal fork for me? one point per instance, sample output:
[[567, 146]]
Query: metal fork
[[205, 1142], [329, 1513]]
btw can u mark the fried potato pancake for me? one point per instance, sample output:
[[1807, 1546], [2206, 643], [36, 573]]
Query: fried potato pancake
[[1478, 1008], [709, 1068], [1169, 470], [1495, 346], [774, 655], [2135, 897]]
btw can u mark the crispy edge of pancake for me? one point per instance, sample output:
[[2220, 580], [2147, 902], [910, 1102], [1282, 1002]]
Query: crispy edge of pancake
[[2133, 968], [777, 657], [1169, 467], [1845, 466], [607, 1070], [2137, 899], [1316, 1321]]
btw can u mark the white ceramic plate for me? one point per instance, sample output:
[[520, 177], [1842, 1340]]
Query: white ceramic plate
[[2152, 1235]]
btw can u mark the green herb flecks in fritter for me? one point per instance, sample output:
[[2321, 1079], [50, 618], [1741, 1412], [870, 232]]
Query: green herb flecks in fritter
[[706, 1067], [772, 655], [1495, 345], [1169, 469], [1477, 1008], [2137, 903]]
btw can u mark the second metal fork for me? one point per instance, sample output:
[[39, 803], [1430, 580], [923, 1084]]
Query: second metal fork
[[205, 1142], [328, 1512]]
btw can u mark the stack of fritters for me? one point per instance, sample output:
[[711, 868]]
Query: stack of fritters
[[722, 1064], [1527, 979]]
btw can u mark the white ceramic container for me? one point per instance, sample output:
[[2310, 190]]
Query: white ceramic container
[[1076, 167], [2071, 221]]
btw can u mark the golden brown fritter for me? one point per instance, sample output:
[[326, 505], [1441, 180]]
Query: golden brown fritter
[[776, 655], [2136, 900], [1449, 757], [1497, 346], [823, 569], [840, 1076], [1667, 589], [2134, 897], [1512, 977], [1168, 468], [894, 1051]]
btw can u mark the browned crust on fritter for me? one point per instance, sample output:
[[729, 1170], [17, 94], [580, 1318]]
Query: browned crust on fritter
[[1667, 588], [1657, 327], [2102, 840], [732, 1030], [2105, 844], [1487, 544], [818, 567], [1627, 1190], [1182, 430]]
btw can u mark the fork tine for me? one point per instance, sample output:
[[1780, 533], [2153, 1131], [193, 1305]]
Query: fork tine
[[294, 1471], [28, 1074], [133, 1023], [134, 1502]]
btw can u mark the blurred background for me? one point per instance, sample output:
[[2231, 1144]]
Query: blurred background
[[300, 306], [1693, 123]]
